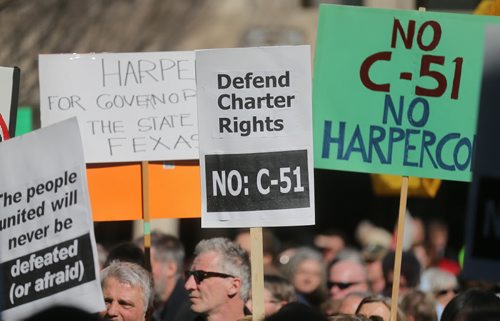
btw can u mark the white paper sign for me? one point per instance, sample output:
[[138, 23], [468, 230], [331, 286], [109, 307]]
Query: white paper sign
[[47, 245], [130, 106], [9, 90], [255, 111]]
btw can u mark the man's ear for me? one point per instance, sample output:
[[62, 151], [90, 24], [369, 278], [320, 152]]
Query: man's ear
[[171, 268], [234, 287]]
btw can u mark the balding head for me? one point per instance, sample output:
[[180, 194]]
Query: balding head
[[347, 276]]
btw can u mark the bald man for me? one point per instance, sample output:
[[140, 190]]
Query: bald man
[[347, 276]]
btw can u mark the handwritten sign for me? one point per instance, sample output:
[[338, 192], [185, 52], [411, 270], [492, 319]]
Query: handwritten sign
[[47, 246], [482, 259], [130, 106], [255, 129], [9, 91], [400, 99]]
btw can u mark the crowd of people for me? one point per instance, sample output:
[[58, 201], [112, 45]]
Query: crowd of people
[[329, 279]]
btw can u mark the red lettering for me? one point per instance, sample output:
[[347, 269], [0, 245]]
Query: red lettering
[[436, 35], [408, 38], [364, 71]]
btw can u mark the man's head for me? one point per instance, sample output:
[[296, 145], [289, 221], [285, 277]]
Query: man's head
[[127, 290], [278, 292], [350, 302], [330, 242], [126, 252], [379, 306], [219, 278], [167, 263], [410, 271], [346, 276]]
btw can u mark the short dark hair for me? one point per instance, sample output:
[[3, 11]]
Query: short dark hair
[[126, 252], [410, 267], [470, 302]]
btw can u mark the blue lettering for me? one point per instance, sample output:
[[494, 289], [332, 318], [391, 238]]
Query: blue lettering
[[377, 134], [409, 147], [463, 142], [439, 151], [428, 139], [328, 139], [425, 113], [395, 135], [357, 138], [389, 107]]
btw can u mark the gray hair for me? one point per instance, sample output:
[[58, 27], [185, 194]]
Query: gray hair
[[233, 260], [302, 254], [435, 279], [168, 248], [132, 274]]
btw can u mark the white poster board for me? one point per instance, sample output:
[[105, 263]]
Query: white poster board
[[9, 91], [47, 246], [255, 126], [130, 106]]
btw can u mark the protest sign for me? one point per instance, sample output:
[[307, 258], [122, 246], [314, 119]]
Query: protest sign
[[130, 106], [400, 99], [482, 259], [254, 109], [174, 191], [9, 92], [47, 246]]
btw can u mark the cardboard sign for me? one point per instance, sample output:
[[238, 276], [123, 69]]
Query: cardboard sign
[[47, 245], [116, 191], [130, 106], [482, 258], [400, 99], [9, 92], [254, 109]]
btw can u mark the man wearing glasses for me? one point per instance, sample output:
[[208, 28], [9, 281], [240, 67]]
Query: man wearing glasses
[[346, 276], [219, 280]]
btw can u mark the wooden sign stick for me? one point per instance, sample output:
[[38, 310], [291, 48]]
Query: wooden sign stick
[[399, 248], [257, 266], [146, 214], [399, 243]]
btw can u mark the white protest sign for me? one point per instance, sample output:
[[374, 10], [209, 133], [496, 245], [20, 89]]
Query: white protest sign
[[130, 106], [9, 90], [255, 126], [47, 245]]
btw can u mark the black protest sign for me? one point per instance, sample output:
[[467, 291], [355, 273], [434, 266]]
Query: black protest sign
[[482, 258]]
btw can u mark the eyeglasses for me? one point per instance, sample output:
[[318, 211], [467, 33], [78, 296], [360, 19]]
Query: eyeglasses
[[341, 285], [200, 275], [446, 291]]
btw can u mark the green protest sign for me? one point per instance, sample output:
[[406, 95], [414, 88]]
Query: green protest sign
[[396, 92]]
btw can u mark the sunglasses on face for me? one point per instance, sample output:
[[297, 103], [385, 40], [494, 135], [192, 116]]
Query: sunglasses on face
[[340, 285], [446, 291], [200, 275]]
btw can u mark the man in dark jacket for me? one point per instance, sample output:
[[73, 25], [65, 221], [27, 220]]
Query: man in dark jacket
[[167, 265]]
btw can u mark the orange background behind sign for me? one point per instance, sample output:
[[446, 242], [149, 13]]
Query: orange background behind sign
[[116, 195]]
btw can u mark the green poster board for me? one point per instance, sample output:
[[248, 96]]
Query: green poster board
[[24, 121], [396, 92]]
